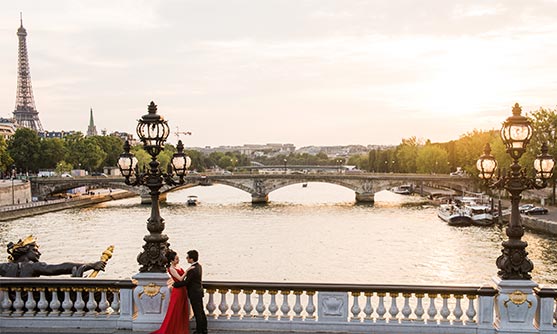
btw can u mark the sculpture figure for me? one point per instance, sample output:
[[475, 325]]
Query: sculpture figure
[[24, 262]]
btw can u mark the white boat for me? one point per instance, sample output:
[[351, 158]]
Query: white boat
[[403, 189], [481, 214], [192, 200], [454, 215]]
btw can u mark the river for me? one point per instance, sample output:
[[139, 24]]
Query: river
[[312, 234]]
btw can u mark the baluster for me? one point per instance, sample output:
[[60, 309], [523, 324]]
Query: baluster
[[18, 303], [310, 308], [6, 302], [432, 310], [211, 306], [115, 305], [381, 310], [555, 313], [43, 303], [368, 309], [406, 310], [457, 312], [103, 303], [273, 307], [223, 306], [285, 308], [248, 308], [298, 306], [235, 305], [30, 304], [79, 304], [260, 307], [91, 303], [393, 310], [54, 302], [356, 307], [419, 311], [67, 303], [445, 309], [471, 312]]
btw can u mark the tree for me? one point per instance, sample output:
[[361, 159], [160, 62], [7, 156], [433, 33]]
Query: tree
[[52, 152], [432, 159], [84, 151], [63, 167], [112, 146], [406, 154], [5, 159], [25, 150]]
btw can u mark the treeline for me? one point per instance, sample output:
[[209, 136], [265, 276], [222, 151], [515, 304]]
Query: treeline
[[416, 156], [29, 153]]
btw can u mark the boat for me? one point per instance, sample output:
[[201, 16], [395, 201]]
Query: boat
[[304, 185], [406, 189], [481, 214], [192, 200], [454, 215]]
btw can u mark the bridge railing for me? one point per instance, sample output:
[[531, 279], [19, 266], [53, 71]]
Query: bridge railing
[[349, 308], [546, 315], [100, 303], [66, 303]]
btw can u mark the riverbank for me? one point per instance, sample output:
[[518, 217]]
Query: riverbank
[[38, 208]]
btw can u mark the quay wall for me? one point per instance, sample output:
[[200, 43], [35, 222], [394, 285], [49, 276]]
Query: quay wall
[[62, 205], [540, 224], [21, 192]]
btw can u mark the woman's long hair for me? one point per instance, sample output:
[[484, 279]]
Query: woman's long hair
[[170, 256]]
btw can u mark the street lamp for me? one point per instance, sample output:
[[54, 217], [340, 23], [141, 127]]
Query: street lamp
[[285, 165], [153, 130], [339, 164], [13, 177], [516, 132]]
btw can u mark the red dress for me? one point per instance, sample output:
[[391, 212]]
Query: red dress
[[176, 320]]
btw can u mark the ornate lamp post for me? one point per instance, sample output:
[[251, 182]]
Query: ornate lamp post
[[150, 293], [153, 131], [285, 161], [513, 264]]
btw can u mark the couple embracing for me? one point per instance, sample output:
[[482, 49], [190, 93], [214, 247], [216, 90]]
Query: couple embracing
[[187, 284]]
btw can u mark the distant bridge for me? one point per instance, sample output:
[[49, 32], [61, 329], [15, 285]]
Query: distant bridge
[[259, 186]]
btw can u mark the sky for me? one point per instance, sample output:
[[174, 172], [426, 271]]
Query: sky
[[307, 72]]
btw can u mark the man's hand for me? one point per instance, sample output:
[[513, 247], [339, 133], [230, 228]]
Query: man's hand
[[179, 284]]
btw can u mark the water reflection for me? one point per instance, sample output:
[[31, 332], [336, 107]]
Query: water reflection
[[313, 234]]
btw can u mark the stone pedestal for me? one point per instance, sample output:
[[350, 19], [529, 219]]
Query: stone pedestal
[[259, 199], [515, 306], [151, 297], [365, 197]]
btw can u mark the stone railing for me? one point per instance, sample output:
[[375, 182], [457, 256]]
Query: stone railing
[[350, 308], [546, 315], [65, 303], [293, 307]]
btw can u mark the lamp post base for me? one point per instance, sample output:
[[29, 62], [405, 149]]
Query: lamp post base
[[515, 306], [151, 297]]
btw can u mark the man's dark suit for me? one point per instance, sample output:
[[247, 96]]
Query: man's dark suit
[[195, 294]]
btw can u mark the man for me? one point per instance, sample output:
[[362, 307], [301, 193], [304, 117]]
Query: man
[[195, 291], [24, 262]]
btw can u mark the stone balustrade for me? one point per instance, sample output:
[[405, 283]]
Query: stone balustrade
[[66, 303], [293, 307]]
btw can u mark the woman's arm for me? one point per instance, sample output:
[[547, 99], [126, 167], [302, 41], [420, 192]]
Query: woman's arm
[[175, 274]]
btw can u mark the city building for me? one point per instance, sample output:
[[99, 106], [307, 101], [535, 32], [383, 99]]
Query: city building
[[7, 128]]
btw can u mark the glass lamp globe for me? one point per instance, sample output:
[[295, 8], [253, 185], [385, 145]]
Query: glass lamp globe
[[486, 164], [153, 131], [544, 164], [516, 133]]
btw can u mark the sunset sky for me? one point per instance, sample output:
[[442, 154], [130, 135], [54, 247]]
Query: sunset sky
[[314, 72]]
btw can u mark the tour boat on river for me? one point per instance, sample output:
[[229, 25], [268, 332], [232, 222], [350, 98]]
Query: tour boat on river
[[192, 200], [454, 215]]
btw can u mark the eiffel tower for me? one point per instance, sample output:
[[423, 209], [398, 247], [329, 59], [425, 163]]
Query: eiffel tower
[[25, 113]]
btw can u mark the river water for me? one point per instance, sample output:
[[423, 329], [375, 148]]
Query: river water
[[312, 234]]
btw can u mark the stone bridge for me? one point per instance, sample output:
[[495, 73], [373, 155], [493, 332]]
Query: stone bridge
[[260, 185]]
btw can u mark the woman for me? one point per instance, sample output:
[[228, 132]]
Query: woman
[[176, 320]]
